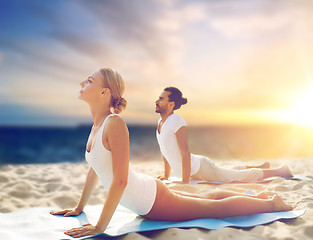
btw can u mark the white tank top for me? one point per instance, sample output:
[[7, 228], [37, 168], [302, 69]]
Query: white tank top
[[169, 146], [140, 192]]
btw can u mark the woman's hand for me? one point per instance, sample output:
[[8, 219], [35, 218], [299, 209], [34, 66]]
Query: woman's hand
[[67, 212], [86, 229]]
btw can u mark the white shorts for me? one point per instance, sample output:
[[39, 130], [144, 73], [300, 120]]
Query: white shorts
[[208, 171]]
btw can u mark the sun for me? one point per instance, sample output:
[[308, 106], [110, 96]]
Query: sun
[[301, 110]]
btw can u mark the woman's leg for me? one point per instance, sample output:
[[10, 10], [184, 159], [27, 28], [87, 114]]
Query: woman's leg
[[219, 194], [264, 165], [169, 206]]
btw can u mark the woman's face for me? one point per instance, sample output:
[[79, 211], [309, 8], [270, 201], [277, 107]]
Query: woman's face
[[92, 87]]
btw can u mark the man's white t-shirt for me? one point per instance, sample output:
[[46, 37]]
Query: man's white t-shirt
[[169, 146]]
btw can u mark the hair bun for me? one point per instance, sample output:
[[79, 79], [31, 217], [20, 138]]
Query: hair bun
[[119, 104], [117, 101], [184, 101]]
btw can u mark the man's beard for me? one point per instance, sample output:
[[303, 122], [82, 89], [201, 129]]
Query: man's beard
[[158, 109]]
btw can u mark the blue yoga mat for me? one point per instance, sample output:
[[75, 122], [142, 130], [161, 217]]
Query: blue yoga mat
[[38, 223], [265, 180]]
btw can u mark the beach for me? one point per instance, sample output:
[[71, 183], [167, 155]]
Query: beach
[[59, 186]]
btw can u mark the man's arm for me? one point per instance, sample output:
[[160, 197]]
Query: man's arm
[[182, 140], [167, 170]]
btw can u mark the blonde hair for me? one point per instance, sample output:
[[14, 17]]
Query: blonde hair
[[115, 83]]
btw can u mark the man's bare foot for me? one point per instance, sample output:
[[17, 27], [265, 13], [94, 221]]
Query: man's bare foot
[[265, 165], [285, 171], [279, 204], [262, 195]]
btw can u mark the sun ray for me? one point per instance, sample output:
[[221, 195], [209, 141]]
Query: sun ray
[[301, 110]]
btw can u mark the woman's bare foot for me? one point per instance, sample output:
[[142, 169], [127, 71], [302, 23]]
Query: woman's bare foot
[[285, 171], [279, 204], [262, 195]]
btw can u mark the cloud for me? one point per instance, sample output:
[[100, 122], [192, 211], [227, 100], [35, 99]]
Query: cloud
[[215, 51], [123, 33], [128, 22], [252, 25], [264, 18]]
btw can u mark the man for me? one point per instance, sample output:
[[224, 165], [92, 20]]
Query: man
[[172, 137]]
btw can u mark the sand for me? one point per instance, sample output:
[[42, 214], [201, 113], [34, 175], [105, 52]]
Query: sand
[[59, 186]]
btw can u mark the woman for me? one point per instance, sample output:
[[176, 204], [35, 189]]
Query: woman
[[108, 154]]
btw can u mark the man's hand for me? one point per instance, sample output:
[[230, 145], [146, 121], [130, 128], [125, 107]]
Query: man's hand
[[181, 182], [162, 177]]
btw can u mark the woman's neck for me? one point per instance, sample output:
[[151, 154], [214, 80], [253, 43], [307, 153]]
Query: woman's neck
[[99, 113]]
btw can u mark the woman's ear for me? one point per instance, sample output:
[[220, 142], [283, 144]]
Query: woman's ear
[[105, 91]]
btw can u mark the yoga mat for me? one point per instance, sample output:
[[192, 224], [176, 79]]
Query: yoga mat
[[38, 223], [265, 180]]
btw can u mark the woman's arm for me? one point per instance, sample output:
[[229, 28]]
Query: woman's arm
[[116, 139], [90, 183], [182, 140]]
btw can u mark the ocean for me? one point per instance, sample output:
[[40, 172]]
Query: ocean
[[20, 145], [26, 145]]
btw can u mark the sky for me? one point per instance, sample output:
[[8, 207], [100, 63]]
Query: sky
[[236, 61]]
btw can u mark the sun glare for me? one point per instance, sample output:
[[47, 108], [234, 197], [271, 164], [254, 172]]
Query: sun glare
[[301, 110]]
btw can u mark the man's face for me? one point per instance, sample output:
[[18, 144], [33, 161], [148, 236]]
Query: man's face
[[161, 105]]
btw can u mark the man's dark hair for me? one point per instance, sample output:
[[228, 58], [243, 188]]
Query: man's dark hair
[[176, 96]]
